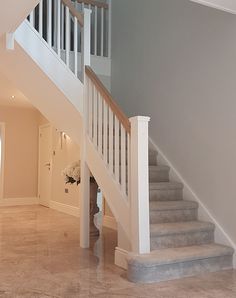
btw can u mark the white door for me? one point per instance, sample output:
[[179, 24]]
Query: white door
[[45, 164]]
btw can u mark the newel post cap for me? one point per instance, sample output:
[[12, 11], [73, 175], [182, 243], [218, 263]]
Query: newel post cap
[[139, 119]]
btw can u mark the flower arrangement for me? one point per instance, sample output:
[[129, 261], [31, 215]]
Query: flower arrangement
[[71, 173]]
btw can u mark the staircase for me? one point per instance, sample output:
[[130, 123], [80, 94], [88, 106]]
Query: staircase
[[49, 58], [181, 245]]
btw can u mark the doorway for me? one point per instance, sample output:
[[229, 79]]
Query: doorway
[[45, 164], [2, 149]]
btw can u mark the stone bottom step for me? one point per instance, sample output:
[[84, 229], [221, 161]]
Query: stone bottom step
[[169, 264]]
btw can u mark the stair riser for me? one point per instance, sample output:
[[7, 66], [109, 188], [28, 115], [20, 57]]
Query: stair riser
[[180, 240], [173, 216], [159, 176], [166, 195], [152, 159], [142, 274]]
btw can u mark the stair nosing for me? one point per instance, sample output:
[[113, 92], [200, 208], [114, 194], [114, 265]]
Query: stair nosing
[[169, 185], [181, 205], [158, 168]]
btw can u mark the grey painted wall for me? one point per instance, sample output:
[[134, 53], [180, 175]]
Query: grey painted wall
[[176, 62]]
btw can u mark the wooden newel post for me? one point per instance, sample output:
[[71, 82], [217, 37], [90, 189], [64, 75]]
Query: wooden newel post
[[139, 182]]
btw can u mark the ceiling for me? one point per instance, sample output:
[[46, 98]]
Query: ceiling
[[7, 90]]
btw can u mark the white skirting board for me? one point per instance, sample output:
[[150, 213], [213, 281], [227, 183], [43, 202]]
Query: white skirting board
[[7, 202], [70, 210], [109, 222], [204, 214], [121, 258]]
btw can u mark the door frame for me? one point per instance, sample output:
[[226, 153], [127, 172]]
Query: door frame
[[2, 130], [48, 125]]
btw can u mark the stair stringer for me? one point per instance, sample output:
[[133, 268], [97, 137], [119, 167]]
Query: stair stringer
[[204, 214], [13, 13], [110, 188], [44, 79], [225, 5]]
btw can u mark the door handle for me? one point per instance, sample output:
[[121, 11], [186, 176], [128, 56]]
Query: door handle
[[47, 164]]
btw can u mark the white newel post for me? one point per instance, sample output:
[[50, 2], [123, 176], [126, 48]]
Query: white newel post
[[139, 181], [85, 173]]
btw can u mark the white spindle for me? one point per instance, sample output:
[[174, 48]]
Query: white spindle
[[62, 26], [49, 22], [77, 5], [111, 143], [123, 159], [86, 41], [109, 28], [32, 18], [90, 108], [67, 36], [139, 201], [95, 30], [128, 157], [59, 27], [100, 124], [95, 116], [41, 18], [76, 46], [117, 150], [54, 32], [105, 131], [102, 31]]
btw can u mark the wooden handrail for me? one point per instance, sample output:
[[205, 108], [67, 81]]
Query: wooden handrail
[[94, 3], [74, 12], [108, 98]]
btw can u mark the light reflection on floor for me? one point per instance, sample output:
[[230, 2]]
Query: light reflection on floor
[[41, 257]]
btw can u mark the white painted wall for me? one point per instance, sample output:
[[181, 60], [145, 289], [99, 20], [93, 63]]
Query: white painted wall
[[176, 62], [21, 152]]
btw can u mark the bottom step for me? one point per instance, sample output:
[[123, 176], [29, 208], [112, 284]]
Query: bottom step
[[168, 264]]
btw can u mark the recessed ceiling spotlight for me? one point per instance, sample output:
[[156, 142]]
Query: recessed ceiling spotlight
[[13, 97]]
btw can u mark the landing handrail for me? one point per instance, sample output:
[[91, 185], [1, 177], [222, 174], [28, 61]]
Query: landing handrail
[[94, 3], [74, 12], [109, 99]]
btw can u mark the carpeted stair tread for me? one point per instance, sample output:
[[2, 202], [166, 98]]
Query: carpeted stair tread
[[164, 229]]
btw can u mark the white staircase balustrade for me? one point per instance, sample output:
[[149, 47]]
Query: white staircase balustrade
[[121, 144], [61, 26], [55, 43], [100, 25]]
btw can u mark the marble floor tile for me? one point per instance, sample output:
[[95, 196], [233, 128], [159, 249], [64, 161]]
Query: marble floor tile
[[40, 257]]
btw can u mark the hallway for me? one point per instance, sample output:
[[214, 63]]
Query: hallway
[[41, 257]]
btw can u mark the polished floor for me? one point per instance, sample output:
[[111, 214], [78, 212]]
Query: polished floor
[[41, 257]]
